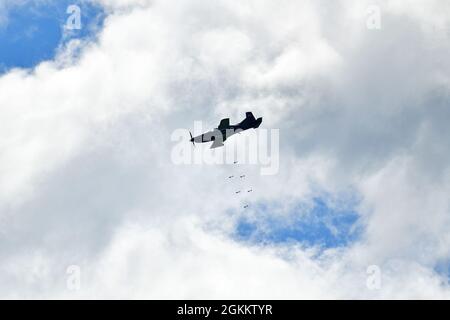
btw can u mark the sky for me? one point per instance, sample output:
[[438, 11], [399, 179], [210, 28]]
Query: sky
[[34, 31], [94, 205]]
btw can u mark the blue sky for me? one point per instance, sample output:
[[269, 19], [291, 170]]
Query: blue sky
[[319, 224], [443, 269], [33, 31]]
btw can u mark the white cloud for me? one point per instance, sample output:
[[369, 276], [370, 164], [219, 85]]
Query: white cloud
[[86, 177]]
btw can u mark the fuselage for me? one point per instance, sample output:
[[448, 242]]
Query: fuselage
[[222, 133], [216, 134]]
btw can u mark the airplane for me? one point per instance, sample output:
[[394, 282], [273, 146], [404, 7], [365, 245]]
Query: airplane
[[225, 130]]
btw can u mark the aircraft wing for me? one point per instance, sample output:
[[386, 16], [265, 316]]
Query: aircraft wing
[[216, 144], [219, 142]]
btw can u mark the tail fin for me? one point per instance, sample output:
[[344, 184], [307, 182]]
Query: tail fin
[[249, 115]]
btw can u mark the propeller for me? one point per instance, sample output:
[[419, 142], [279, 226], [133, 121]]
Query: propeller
[[192, 139]]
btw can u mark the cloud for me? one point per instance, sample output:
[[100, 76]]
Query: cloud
[[86, 176]]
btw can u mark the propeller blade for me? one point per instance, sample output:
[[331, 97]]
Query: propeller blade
[[192, 139]]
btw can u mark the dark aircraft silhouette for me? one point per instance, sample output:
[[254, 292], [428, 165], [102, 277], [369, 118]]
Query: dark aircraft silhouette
[[225, 130]]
